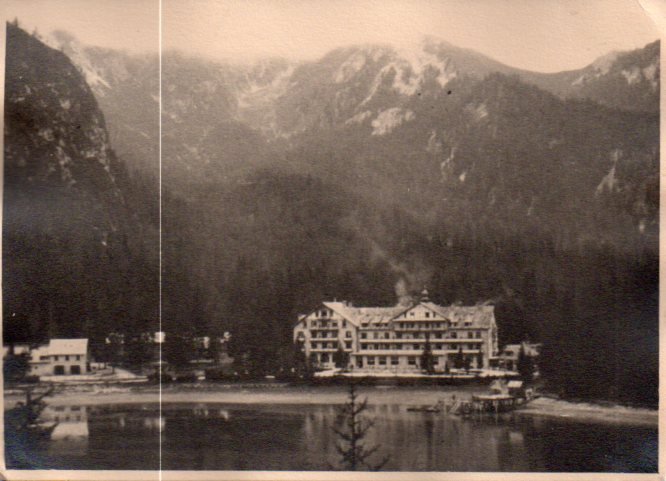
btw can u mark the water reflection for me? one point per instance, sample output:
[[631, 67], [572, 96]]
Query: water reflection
[[70, 435], [289, 437]]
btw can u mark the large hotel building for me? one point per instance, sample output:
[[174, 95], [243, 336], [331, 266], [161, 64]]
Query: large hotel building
[[393, 339]]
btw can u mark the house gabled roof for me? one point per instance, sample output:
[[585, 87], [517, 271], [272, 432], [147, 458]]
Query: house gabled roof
[[68, 346]]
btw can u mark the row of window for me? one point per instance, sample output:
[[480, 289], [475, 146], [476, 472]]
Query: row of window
[[332, 335], [385, 360], [421, 335], [67, 418], [421, 325], [330, 345], [417, 347], [427, 316], [326, 323], [363, 361], [57, 358]]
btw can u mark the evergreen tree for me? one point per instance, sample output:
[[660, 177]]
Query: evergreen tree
[[459, 361], [354, 453], [139, 350], [214, 348], [312, 362], [467, 363], [341, 357], [16, 367], [525, 365], [300, 362], [427, 358], [479, 362], [177, 349]]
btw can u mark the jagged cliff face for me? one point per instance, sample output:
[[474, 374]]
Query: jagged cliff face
[[126, 88], [56, 132], [67, 228]]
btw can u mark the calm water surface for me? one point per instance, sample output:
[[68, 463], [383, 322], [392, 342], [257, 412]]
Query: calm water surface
[[300, 437]]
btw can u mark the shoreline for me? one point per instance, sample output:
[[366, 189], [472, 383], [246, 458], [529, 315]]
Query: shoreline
[[309, 395]]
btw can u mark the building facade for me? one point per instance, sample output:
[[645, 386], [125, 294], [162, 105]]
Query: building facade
[[393, 339], [509, 355], [60, 357]]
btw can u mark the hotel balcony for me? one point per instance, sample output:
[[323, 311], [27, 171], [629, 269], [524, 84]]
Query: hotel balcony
[[421, 328], [412, 352], [422, 340]]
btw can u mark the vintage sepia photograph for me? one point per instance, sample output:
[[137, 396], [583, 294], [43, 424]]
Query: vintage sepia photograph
[[331, 236]]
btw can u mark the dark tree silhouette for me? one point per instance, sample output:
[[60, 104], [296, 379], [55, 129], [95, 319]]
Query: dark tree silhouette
[[525, 365], [427, 358], [16, 366], [467, 363], [302, 368], [177, 349], [340, 357], [459, 361], [355, 455], [25, 434]]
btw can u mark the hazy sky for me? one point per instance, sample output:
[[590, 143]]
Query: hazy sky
[[543, 35], [131, 25]]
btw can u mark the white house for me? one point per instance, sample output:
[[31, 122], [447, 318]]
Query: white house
[[60, 357]]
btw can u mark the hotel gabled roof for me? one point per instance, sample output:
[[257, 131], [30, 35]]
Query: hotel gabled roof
[[370, 315], [480, 315]]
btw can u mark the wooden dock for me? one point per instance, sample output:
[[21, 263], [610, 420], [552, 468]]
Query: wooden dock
[[486, 404]]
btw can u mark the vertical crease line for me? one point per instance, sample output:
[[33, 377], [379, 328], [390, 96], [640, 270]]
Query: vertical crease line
[[159, 176]]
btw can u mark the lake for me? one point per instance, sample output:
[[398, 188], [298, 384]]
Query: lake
[[200, 436]]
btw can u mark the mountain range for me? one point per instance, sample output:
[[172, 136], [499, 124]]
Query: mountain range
[[285, 183]]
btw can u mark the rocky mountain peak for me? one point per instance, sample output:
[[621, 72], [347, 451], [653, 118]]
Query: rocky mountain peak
[[65, 136]]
